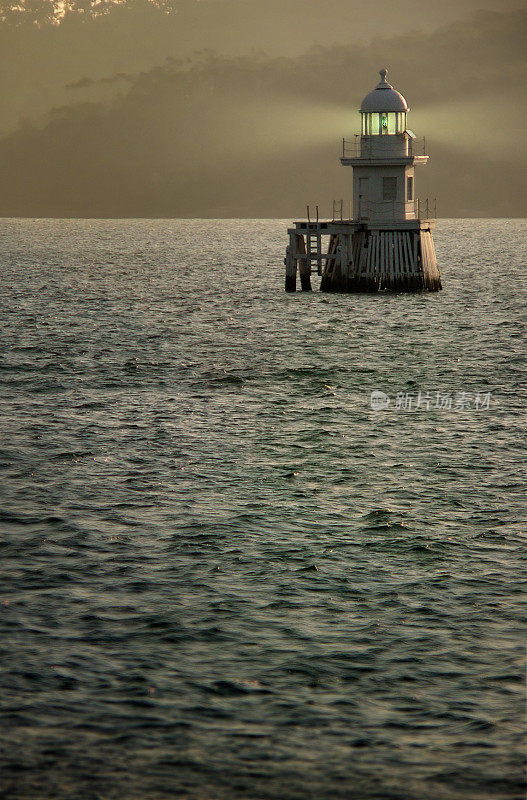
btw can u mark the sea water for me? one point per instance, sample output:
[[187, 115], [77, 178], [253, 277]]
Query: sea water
[[224, 575]]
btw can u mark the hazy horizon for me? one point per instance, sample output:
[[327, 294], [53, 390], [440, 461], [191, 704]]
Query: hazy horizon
[[119, 117]]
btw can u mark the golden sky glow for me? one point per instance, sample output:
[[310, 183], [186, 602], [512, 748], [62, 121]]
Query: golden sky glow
[[118, 116]]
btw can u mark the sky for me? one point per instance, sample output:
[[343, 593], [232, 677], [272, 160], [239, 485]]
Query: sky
[[235, 108]]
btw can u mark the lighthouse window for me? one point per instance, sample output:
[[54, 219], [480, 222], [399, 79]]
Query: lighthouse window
[[409, 188], [366, 124], [391, 122], [384, 122], [389, 188], [401, 122]]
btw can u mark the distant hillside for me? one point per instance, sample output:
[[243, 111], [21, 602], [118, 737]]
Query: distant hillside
[[258, 136]]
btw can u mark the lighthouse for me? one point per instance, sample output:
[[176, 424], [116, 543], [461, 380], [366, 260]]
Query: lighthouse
[[386, 244]]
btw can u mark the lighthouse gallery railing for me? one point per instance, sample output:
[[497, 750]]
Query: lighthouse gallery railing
[[383, 210], [388, 210], [362, 147], [393, 210]]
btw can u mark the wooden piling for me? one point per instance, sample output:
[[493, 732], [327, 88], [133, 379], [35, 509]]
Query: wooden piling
[[290, 268], [303, 263], [326, 284]]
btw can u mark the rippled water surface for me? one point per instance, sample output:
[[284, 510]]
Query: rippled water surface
[[223, 575]]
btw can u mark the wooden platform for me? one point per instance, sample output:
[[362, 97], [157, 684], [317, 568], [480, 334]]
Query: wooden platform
[[353, 256]]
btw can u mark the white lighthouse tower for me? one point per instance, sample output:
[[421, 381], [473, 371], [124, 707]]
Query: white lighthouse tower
[[384, 160], [386, 244]]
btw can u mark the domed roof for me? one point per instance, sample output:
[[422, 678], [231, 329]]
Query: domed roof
[[384, 97]]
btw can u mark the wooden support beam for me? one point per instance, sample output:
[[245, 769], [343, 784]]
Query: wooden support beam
[[303, 263]]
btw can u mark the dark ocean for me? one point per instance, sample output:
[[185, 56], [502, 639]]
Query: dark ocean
[[224, 575]]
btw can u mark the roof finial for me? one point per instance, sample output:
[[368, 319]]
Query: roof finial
[[383, 73]]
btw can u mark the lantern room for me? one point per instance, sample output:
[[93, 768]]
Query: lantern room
[[383, 110]]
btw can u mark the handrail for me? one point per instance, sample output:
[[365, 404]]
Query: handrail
[[368, 147], [390, 210], [379, 210]]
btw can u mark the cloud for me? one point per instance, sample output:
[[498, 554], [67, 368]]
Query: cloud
[[40, 52], [88, 83], [258, 136], [82, 83], [120, 76]]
